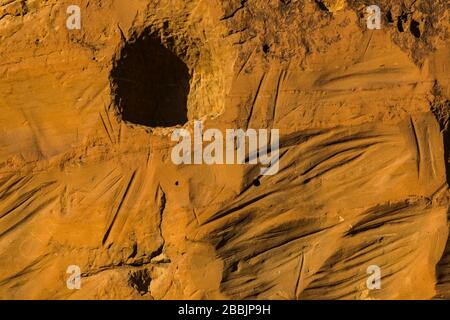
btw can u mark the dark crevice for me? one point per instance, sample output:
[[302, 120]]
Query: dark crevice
[[321, 6], [400, 21], [235, 11], [140, 280], [389, 17], [234, 267], [414, 28], [400, 25], [151, 84]]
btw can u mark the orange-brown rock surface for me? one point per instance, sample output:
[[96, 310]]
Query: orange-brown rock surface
[[86, 176]]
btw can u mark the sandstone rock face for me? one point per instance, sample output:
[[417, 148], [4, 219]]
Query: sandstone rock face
[[87, 178]]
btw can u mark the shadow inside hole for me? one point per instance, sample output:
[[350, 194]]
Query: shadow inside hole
[[321, 5], [389, 17], [414, 27], [151, 84], [400, 21]]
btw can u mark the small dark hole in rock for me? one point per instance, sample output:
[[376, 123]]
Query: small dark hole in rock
[[389, 17], [321, 6], [400, 20], [266, 48], [257, 183], [234, 266], [177, 183], [414, 28]]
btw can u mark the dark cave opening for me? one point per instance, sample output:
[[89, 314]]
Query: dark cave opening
[[151, 84]]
